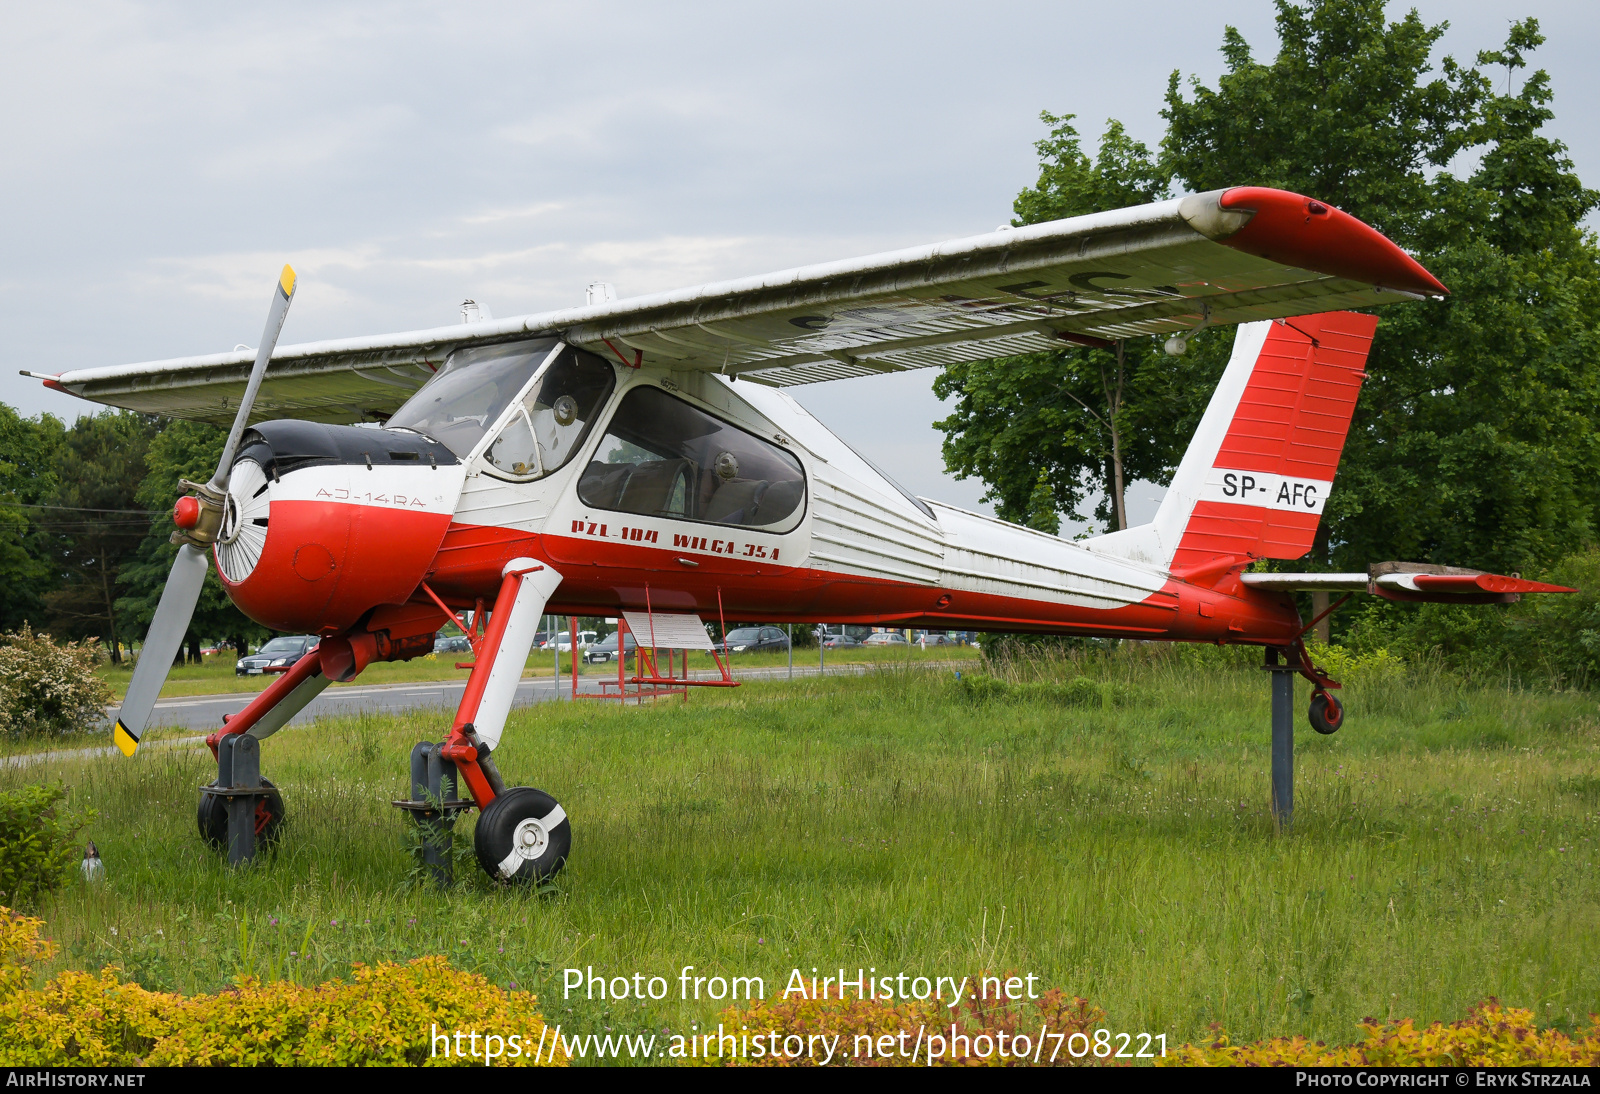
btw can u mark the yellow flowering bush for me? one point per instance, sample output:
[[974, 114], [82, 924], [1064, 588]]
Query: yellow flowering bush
[[849, 1018], [386, 1015], [1491, 1036], [20, 947]]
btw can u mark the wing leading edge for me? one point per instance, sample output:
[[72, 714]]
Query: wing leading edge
[[1223, 257]]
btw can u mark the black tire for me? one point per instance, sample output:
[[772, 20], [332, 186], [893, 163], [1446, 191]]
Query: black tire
[[513, 841], [212, 817], [1327, 713]]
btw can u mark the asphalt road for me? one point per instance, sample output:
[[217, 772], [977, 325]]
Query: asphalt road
[[206, 711]]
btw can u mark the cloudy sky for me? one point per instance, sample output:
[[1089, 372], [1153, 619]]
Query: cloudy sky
[[163, 160]]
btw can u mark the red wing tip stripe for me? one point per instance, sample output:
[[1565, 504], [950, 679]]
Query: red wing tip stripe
[[1295, 230]]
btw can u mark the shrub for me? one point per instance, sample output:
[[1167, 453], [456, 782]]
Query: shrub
[[1491, 1036], [20, 947], [37, 841], [860, 1023], [385, 1015], [1365, 666], [48, 689]]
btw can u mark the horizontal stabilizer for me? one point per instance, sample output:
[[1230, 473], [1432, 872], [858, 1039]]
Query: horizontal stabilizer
[[1411, 581]]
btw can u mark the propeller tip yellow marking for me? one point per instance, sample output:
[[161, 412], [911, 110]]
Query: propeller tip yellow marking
[[286, 282], [124, 740]]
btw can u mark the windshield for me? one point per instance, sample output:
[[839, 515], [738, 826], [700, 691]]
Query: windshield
[[554, 417], [744, 634], [282, 645], [465, 397]]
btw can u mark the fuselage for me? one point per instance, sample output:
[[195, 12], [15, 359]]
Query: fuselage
[[672, 491]]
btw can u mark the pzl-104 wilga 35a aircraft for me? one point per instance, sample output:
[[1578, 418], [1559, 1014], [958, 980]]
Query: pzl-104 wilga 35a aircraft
[[641, 456]]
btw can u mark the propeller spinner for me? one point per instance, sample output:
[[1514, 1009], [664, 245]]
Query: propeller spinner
[[199, 518]]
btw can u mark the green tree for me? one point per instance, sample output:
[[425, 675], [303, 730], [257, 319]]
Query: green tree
[[27, 477], [183, 450], [1047, 430], [1475, 438], [98, 466]]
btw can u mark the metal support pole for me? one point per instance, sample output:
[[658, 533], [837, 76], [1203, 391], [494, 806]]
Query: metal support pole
[[791, 650], [1282, 739], [434, 805], [244, 773]]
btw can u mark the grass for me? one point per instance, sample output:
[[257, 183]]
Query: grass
[[1443, 850], [215, 675]]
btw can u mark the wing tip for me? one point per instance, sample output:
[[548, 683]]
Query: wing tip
[[1295, 230]]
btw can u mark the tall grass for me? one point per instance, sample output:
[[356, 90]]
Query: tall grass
[[1442, 850]]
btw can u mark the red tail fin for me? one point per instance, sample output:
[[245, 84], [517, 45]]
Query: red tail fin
[[1259, 470]]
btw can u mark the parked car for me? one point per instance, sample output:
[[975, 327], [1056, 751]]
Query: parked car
[[754, 640], [935, 640], [563, 641], [606, 649], [839, 642], [885, 638], [454, 643], [278, 655]]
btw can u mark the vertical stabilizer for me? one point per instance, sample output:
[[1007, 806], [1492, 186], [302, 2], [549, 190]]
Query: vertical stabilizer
[[1255, 478]]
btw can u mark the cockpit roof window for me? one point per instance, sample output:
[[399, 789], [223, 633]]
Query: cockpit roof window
[[467, 396]]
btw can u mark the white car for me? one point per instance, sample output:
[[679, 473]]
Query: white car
[[562, 642]]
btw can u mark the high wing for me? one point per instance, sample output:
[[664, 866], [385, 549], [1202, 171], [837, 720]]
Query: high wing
[[1227, 256]]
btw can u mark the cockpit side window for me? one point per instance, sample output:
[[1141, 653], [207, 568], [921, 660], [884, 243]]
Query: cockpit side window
[[553, 418], [467, 396], [662, 457]]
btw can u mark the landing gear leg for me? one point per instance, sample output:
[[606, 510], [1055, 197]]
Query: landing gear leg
[[1282, 737], [240, 811], [434, 806], [524, 831]]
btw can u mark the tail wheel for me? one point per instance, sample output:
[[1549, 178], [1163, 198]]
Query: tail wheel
[[213, 817], [1327, 713], [522, 836]]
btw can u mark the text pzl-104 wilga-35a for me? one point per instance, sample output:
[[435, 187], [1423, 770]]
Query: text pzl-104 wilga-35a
[[640, 456]]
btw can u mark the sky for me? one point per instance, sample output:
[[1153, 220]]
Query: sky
[[164, 160]]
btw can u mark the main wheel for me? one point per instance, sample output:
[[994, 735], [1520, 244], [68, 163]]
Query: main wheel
[[213, 817], [522, 836], [1327, 713]]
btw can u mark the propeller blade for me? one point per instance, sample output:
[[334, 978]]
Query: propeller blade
[[188, 574], [167, 629], [269, 340]]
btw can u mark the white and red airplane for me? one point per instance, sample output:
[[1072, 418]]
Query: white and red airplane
[[641, 455]]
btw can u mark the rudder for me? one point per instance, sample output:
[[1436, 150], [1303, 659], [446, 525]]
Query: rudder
[[1258, 472]]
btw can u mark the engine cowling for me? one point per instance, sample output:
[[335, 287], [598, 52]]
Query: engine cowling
[[323, 523]]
